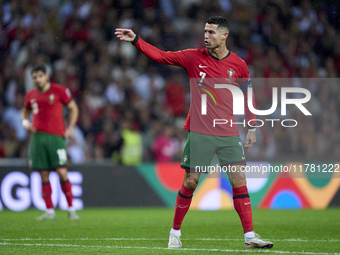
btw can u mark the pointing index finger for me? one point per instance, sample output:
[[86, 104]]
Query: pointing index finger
[[122, 30]]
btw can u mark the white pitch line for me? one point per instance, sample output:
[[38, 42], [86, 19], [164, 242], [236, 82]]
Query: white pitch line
[[162, 248], [159, 239], [276, 240]]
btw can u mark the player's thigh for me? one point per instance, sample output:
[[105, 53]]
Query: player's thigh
[[38, 155], [198, 152], [230, 151], [57, 151]]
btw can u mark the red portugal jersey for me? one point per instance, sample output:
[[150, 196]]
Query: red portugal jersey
[[205, 71], [47, 108]]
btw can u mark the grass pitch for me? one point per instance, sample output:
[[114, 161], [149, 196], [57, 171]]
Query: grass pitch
[[145, 231]]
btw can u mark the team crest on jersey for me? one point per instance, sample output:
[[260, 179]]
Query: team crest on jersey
[[51, 97], [185, 159], [231, 73]]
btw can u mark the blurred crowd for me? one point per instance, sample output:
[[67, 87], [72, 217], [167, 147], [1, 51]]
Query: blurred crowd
[[133, 109]]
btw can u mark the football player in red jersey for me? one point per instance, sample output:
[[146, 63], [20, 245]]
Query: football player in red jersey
[[48, 145], [204, 66]]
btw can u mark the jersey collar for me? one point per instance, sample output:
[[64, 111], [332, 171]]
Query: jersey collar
[[218, 58], [46, 90]]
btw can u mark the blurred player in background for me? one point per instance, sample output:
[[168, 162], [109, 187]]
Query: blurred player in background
[[214, 62], [48, 145]]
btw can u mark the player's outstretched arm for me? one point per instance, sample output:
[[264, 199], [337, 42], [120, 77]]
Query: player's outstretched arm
[[178, 58], [125, 34]]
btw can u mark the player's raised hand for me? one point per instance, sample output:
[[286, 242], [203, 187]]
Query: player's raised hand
[[250, 140], [125, 34]]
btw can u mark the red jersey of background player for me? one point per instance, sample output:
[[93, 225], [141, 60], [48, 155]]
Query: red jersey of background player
[[47, 108], [204, 71]]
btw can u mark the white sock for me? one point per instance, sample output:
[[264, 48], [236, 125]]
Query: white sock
[[50, 211], [175, 232], [250, 234], [71, 209]]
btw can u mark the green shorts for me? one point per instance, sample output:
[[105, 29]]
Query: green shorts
[[200, 149], [47, 152]]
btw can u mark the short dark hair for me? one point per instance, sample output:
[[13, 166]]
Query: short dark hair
[[39, 67], [220, 21]]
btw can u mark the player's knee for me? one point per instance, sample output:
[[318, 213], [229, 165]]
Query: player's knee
[[63, 177], [62, 174], [237, 182], [44, 176], [45, 179], [191, 183]]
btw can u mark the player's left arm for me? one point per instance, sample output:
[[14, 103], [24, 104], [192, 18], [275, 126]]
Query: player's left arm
[[245, 82], [73, 117], [177, 58]]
